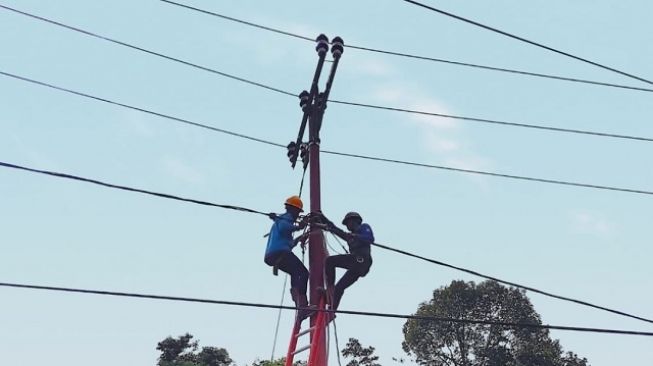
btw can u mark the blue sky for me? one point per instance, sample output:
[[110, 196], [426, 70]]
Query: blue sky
[[588, 244]]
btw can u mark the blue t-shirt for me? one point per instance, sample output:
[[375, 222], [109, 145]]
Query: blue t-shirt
[[280, 239], [361, 243]]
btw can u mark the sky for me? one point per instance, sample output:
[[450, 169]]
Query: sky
[[584, 243]]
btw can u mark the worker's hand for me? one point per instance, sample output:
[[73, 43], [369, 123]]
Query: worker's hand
[[330, 224], [303, 222], [272, 216], [324, 220]]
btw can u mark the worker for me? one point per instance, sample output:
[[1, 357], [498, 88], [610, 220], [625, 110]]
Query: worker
[[357, 262], [279, 255]]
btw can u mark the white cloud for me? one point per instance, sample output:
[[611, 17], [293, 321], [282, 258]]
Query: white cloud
[[365, 65], [180, 170], [137, 123], [33, 156], [444, 137], [592, 223]]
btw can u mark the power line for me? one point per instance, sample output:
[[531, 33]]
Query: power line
[[350, 312], [540, 45], [364, 105], [130, 189], [492, 174], [358, 156], [531, 289], [95, 35], [144, 110], [413, 56], [495, 122], [244, 209]]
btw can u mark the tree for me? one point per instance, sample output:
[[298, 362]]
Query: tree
[[457, 344], [361, 356], [182, 351], [277, 362]]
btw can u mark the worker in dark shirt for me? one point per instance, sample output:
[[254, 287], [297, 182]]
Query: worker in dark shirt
[[357, 262], [279, 255]]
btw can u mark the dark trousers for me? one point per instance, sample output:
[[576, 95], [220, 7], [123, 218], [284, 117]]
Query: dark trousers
[[289, 263], [356, 266]]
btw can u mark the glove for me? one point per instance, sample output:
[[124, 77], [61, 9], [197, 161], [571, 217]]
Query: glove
[[272, 216]]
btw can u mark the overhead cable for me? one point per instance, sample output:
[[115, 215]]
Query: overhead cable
[[144, 110], [365, 105], [154, 53], [130, 189], [413, 56], [515, 325], [351, 155], [244, 209], [527, 288], [491, 174], [522, 39]]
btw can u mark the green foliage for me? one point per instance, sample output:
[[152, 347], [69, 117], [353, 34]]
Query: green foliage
[[454, 344], [182, 351], [360, 356], [277, 362]]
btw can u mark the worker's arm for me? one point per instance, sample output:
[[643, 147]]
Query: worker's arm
[[364, 234], [339, 232], [300, 239]]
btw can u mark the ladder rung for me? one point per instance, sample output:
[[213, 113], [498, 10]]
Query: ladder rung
[[305, 331], [302, 349]]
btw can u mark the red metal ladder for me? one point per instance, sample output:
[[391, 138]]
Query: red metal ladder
[[320, 324]]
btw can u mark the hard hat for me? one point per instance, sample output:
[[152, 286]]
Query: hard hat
[[296, 202], [351, 215]]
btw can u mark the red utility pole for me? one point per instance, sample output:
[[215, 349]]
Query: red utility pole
[[313, 104]]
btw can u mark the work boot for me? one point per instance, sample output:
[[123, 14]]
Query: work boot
[[302, 302]]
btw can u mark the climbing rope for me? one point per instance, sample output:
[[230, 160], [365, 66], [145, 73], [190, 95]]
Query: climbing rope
[[301, 185], [339, 242], [276, 330], [335, 333]]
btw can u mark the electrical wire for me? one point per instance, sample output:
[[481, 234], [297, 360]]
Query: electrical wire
[[158, 54], [515, 325], [243, 209], [130, 189], [267, 87], [495, 122], [540, 45], [144, 110], [413, 56], [492, 174], [527, 288], [359, 156]]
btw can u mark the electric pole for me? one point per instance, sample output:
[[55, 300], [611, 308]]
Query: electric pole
[[313, 104]]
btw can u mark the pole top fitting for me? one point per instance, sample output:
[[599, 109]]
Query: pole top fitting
[[322, 44], [304, 96], [337, 47]]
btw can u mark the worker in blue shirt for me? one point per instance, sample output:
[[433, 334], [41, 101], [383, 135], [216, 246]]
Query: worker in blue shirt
[[357, 262], [279, 255]]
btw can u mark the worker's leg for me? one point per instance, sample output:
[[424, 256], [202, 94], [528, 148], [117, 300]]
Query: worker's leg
[[346, 261], [298, 283], [347, 280], [297, 271]]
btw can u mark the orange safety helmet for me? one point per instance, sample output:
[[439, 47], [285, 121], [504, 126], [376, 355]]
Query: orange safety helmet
[[296, 202]]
